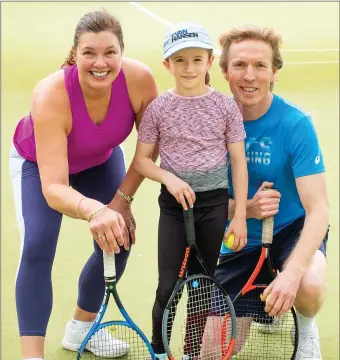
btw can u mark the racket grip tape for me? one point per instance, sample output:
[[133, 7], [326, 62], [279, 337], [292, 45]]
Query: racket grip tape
[[267, 228], [109, 264], [189, 225]]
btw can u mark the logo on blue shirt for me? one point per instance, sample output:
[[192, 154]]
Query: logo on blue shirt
[[258, 150], [317, 159]]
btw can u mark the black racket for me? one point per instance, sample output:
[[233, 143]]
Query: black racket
[[192, 320]]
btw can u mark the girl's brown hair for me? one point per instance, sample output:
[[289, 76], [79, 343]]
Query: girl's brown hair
[[251, 32], [207, 75], [95, 21]]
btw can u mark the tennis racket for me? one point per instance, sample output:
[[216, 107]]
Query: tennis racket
[[192, 320], [260, 336], [114, 338]]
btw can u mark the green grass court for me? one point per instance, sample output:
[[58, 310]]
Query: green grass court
[[36, 38]]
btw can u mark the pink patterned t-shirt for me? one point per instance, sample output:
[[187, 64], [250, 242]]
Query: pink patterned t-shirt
[[192, 134]]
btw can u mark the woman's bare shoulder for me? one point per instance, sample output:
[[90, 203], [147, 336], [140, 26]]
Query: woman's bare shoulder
[[141, 85], [136, 70], [50, 97]]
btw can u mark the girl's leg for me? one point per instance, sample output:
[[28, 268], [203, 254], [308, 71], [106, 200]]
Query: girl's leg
[[171, 250], [210, 223], [210, 227], [39, 227]]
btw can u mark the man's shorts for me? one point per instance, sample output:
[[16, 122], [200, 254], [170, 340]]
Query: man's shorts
[[234, 269]]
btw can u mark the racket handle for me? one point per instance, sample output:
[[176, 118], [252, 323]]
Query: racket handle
[[268, 227], [268, 230], [189, 225], [109, 264]]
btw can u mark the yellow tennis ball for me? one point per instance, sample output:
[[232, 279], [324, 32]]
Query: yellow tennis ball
[[267, 298], [230, 241]]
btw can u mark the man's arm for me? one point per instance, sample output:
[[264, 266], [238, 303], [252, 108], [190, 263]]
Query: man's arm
[[313, 195], [283, 290]]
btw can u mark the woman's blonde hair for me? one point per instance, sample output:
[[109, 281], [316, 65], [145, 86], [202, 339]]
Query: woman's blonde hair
[[251, 32]]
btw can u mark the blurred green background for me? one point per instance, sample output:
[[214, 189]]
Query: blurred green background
[[36, 37]]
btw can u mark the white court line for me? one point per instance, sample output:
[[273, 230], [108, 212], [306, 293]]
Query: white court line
[[153, 15], [218, 52]]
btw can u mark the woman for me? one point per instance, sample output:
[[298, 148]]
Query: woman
[[66, 159]]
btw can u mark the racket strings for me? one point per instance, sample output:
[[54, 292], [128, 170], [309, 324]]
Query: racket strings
[[196, 317], [116, 340], [260, 336]]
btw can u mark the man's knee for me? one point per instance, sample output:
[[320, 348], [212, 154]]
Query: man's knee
[[310, 296], [312, 287]]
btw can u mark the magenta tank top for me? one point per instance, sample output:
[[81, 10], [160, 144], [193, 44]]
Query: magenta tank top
[[88, 144]]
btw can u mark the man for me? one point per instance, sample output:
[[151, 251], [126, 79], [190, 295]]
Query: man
[[282, 152]]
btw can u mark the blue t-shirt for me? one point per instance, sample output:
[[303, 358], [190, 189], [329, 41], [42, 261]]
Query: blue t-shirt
[[280, 146]]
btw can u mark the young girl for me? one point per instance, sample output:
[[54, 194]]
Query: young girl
[[194, 126]]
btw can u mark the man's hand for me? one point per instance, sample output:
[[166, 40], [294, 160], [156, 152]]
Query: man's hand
[[264, 203], [282, 291]]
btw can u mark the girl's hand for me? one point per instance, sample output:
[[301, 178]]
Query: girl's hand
[[238, 227], [122, 207], [180, 190]]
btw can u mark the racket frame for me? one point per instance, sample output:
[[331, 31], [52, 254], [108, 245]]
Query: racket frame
[[265, 258], [111, 289], [183, 279]]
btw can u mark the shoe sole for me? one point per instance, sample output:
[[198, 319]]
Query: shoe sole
[[70, 346], [75, 347]]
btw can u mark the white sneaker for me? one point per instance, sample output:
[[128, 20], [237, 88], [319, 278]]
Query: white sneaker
[[309, 345], [109, 346]]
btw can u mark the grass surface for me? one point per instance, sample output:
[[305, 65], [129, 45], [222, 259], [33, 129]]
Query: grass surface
[[36, 37]]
